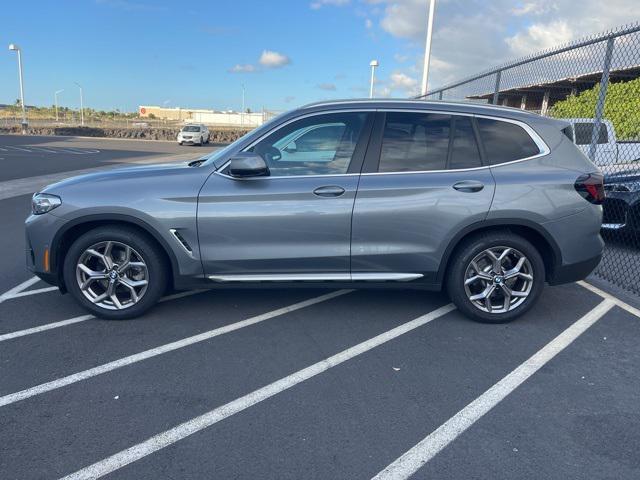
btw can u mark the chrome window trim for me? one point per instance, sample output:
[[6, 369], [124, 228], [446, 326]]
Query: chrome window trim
[[540, 143]]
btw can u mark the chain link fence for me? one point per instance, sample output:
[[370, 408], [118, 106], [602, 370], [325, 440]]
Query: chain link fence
[[594, 84]]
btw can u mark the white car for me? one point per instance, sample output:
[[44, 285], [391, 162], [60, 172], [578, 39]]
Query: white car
[[193, 134]]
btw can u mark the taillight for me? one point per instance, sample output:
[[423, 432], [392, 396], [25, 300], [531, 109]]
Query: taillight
[[591, 187]]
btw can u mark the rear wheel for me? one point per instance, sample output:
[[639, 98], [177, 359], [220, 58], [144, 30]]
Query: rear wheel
[[115, 272], [495, 277]]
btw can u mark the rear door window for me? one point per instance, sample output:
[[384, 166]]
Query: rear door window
[[505, 141], [419, 142]]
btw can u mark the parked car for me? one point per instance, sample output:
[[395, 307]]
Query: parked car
[[610, 150], [193, 134], [487, 202], [622, 205]]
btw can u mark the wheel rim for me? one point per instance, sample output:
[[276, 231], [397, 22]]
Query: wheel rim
[[498, 280], [112, 275]]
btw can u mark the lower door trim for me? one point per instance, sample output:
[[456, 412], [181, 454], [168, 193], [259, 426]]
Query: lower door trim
[[318, 277]]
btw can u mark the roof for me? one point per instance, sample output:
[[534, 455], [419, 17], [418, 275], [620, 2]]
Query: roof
[[385, 103]]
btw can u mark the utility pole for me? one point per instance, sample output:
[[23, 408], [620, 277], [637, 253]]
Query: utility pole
[[16, 48], [373, 65], [427, 48], [55, 96], [81, 105]]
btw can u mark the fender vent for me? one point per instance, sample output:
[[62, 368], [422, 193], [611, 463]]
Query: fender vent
[[181, 239]]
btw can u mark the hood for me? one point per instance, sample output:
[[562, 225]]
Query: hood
[[129, 173]]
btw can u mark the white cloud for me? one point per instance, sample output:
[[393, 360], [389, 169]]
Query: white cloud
[[404, 18], [540, 36], [327, 86], [246, 68], [318, 4], [401, 81], [368, 23], [271, 59]]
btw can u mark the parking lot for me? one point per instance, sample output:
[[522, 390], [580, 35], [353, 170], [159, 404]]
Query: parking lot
[[301, 383]]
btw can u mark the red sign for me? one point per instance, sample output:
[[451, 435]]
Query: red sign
[[143, 110]]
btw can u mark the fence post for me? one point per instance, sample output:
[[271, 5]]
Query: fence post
[[440, 95], [602, 96], [496, 90]]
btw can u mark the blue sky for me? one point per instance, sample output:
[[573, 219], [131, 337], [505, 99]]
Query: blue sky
[[287, 52]]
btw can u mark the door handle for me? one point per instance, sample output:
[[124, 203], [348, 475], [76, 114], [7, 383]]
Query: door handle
[[468, 186], [329, 191]]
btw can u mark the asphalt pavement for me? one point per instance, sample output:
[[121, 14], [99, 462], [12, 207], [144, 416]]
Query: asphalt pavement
[[290, 384]]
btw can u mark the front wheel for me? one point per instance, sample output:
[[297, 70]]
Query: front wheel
[[115, 272], [495, 277]]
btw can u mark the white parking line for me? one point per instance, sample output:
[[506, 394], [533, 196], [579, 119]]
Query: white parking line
[[42, 328], [71, 321], [603, 294], [34, 292], [430, 446], [154, 352], [17, 289], [19, 148], [175, 434]]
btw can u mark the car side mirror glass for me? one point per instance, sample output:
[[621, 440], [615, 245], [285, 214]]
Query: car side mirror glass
[[248, 164]]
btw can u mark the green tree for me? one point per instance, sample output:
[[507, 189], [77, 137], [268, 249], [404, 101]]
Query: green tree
[[622, 107]]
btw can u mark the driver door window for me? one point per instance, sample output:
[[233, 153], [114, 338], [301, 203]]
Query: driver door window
[[316, 145]]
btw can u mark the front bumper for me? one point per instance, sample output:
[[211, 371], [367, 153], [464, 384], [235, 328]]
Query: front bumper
[[39, 233]]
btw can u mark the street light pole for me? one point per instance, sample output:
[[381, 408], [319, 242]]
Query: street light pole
[[55, 96], [81, 105], [427, 47], [242, 113], [16, 48], [373, 65]]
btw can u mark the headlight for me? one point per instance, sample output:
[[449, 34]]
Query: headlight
[[44, 202]]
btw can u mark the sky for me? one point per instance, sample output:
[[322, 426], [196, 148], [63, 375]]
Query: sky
[[286, 53]]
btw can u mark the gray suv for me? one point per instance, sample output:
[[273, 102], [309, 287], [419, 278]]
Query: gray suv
[[486, 202]]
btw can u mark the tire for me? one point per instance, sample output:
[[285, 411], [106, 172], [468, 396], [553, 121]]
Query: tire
[[146, 263], [464, 283], [180, 143]]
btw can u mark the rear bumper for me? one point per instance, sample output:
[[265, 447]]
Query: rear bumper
[[575, 271]]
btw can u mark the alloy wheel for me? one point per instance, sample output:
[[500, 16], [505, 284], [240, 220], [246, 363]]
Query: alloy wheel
[[498, 279], [112, 275]]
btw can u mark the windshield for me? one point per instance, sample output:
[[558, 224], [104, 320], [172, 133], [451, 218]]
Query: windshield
[[191, 128]]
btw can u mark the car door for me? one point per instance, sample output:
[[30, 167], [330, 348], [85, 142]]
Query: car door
[[423, 182], [294, 224]]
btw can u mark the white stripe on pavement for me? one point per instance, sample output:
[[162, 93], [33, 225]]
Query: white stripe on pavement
[[603, 294], [33, 292], [18, 288], [71, 321], [430, 446], [42, 328], [154, 352], [19, 148], [169, 437]]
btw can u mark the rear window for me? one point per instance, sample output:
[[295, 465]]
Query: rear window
[[505, 141], [584, 132], [191, 128]]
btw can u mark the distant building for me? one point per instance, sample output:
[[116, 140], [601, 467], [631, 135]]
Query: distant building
[[208, 117]]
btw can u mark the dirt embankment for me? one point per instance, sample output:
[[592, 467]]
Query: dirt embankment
[[217, 136]]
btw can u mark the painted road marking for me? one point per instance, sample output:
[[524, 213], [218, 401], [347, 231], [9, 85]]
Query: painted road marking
[[71, 321], [412, 460], [42, 328], [603, 294], [169, 347], [54, 150], [18, 288], [169, 437]]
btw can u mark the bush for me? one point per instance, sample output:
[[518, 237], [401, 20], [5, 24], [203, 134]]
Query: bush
[[622, 107]]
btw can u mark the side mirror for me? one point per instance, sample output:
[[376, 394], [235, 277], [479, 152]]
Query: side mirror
[[248, 164]]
